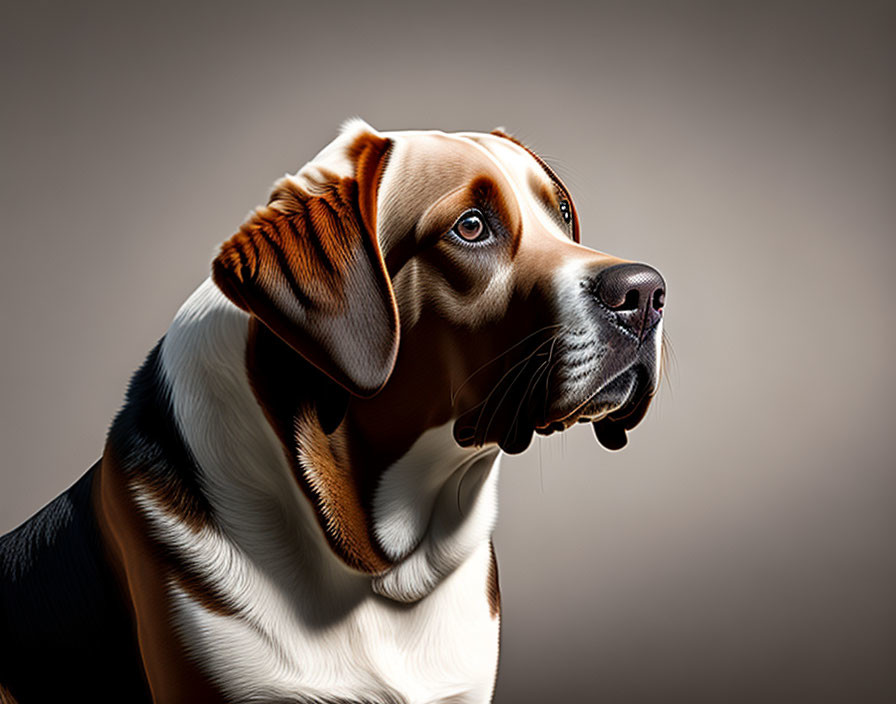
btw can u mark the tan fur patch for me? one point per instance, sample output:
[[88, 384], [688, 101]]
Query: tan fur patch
[[329, 473]]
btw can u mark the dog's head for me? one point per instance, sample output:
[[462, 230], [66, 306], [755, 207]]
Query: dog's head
[[408, 282], [439, 277]]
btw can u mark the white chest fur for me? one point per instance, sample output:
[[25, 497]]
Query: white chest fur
[[307, 628]]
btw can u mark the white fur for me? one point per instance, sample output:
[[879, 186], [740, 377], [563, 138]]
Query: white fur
[[407, 493], [581, 340], [442, 505], [308, 627]]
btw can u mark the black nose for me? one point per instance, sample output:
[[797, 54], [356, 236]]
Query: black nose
[[635, 293]]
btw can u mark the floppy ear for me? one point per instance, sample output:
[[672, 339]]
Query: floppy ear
[[309, 266]]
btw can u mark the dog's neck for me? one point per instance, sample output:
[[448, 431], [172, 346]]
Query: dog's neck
[[428, 511]]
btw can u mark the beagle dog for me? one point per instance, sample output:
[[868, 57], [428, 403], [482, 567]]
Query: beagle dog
[[296, 501]]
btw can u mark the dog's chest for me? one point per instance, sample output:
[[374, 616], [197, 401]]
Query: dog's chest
[[441, 649], [294, 624]]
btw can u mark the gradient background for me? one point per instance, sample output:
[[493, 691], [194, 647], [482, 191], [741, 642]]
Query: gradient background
[[741, 549]]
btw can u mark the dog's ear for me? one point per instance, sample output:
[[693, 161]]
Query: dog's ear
[[309, 266]]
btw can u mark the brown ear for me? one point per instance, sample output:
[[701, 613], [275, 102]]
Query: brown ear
[[309, 266]]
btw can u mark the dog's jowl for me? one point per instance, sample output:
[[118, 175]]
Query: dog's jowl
[[296, 501]]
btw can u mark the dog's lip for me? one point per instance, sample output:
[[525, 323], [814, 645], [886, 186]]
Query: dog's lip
[[614, 408], [610, 421], [611, 430], [556, 426], [590, 410]]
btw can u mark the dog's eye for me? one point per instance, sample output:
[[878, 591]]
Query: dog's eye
[[471, 227], [565, 212]]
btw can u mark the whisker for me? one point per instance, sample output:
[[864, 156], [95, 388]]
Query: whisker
[[547, 386], [525, 396], [533, 384], [497, 386], [494, 389], [668, 361], [504, 396], [495, 359]]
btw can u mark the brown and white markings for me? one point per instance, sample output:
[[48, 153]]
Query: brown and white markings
[[296, 501]]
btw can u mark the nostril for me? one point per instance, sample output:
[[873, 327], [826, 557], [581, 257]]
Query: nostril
[[630, 302], [659, 299]]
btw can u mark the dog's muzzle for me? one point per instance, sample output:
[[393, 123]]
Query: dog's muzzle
[[601, 366], [634, 295]]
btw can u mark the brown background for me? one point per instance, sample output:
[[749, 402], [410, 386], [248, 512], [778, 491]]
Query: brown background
[[741, 549]]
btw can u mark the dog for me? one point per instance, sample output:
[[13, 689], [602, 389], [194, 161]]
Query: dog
[[296, 500]]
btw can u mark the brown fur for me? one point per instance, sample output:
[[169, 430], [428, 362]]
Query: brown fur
[[320, 249], [143, 571]]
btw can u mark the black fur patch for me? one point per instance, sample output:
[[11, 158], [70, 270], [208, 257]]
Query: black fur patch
[[64, 627], [145, 441]]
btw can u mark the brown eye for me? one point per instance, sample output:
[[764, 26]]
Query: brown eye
[[471, 227]]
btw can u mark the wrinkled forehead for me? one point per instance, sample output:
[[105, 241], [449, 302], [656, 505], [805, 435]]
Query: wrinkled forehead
[[425, 168]]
